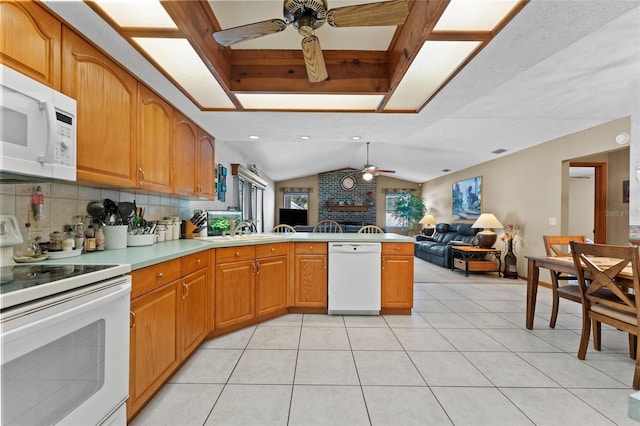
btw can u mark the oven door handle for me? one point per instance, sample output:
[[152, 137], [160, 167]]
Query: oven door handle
[[76, 305]]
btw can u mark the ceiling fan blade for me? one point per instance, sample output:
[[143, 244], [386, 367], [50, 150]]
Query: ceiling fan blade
[[313, 59], [392, 12], [384, 171], [248, 32]]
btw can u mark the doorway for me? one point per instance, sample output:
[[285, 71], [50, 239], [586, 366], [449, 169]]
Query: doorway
[[598, 197]]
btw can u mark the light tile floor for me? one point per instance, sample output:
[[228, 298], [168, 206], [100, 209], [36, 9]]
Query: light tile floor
[[463, 357]]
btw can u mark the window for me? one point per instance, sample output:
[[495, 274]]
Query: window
[[296, 200], [390, 221]]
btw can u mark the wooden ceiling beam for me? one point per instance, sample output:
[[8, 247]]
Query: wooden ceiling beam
[[269, 71], [407, 41]]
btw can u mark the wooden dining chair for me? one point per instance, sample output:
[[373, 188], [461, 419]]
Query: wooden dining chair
[[606, 297], [558, 245], [284, 228], [328, 225], [370, 229]]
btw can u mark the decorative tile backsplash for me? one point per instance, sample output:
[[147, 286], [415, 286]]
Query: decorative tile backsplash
[[65, 202]]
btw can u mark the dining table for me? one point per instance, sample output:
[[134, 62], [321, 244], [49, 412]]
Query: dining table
[[563, 264]]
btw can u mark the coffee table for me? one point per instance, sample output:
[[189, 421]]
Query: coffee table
[[471, 258]]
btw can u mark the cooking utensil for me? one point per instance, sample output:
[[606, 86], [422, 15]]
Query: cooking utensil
[[96, 209], [112, 212], [127, 211]]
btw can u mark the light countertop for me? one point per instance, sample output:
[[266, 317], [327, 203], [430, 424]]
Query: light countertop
[[143, 256]]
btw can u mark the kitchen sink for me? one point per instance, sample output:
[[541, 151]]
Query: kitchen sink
[[242, 238]]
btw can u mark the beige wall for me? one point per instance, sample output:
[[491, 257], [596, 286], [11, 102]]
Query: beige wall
[[382, 182], [527, 188]]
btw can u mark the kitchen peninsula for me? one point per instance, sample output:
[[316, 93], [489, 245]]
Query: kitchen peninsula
[[186, 291]]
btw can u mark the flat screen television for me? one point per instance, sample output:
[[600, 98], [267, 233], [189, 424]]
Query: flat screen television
[[293, 217]]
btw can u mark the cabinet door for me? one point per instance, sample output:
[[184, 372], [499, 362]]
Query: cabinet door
[[397, 282], [310, 287], [30, 39], [154, 352], [186, 143], [106, 104], [193, 315], [155, 142], [271, 284], [206, 166], [235, 293]]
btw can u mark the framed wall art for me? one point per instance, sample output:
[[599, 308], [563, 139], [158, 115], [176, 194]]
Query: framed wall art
[[467, 198]]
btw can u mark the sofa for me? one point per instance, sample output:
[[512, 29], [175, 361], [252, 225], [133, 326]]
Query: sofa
[[436, 248]]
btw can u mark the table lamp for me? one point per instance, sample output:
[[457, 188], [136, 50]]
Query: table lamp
[[486, 237], [429, 221]]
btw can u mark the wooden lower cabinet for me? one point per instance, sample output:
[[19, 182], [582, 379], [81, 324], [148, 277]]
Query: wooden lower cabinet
[[397, 276], [271, 284], [193, 311], [154, 349], [310, 282], [235, 293], [170, 305]]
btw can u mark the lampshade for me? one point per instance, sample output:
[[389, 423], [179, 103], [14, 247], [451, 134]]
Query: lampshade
[[428, 219], [486, 237], [487, 220]]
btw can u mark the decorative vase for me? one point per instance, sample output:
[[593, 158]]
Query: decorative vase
[[510, 261]]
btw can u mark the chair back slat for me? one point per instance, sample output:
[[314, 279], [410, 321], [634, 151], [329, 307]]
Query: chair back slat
[[604, 275], [558, 245], [328, 225], [284, 228], [370, 229]]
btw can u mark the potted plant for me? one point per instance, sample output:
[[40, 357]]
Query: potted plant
[[409, 209]]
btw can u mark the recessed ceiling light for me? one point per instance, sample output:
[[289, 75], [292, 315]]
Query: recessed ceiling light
[[499, 151], [304, 138], [254, 137], [355, 138]]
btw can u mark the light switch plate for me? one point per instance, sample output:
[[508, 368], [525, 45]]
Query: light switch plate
[[552, 221]]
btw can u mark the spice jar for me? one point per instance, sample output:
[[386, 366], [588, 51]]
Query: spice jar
[[55, 241]]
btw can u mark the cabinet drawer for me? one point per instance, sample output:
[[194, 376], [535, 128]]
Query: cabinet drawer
[[194, 261], [152, 277], [397, 248], [233, 254], [275, 249], [311, 248]]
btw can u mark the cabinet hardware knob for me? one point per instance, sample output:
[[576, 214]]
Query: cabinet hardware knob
[[273, 249], [160, 275], [237, 253], [198, 262]]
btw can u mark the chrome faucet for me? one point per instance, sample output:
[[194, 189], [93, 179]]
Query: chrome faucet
[[237, 227]]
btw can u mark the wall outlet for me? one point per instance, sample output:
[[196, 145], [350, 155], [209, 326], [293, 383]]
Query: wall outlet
[[553, 221]]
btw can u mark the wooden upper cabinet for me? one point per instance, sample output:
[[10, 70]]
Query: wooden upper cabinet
[[106, 105], [155, 142], [186, 140], [30, 40], [206, 166]]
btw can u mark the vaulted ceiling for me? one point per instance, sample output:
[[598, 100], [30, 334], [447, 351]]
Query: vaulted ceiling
[[541, 70]]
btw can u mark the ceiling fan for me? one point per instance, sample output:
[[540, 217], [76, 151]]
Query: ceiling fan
[[308, 15], [369, 170]]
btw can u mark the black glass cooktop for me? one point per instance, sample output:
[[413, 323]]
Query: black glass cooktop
[[20, 277]]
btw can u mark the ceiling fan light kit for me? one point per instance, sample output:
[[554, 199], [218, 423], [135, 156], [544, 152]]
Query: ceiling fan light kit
[[307, 16], [369, 170]]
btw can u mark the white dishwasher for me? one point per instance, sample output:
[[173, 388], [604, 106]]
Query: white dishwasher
[[354, 278]]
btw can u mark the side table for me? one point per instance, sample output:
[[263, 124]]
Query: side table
[[466, 258]]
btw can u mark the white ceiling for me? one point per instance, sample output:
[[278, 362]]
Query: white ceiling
[[558, 68]]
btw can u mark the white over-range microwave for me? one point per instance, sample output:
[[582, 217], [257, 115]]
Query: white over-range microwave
[[37, 130]]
